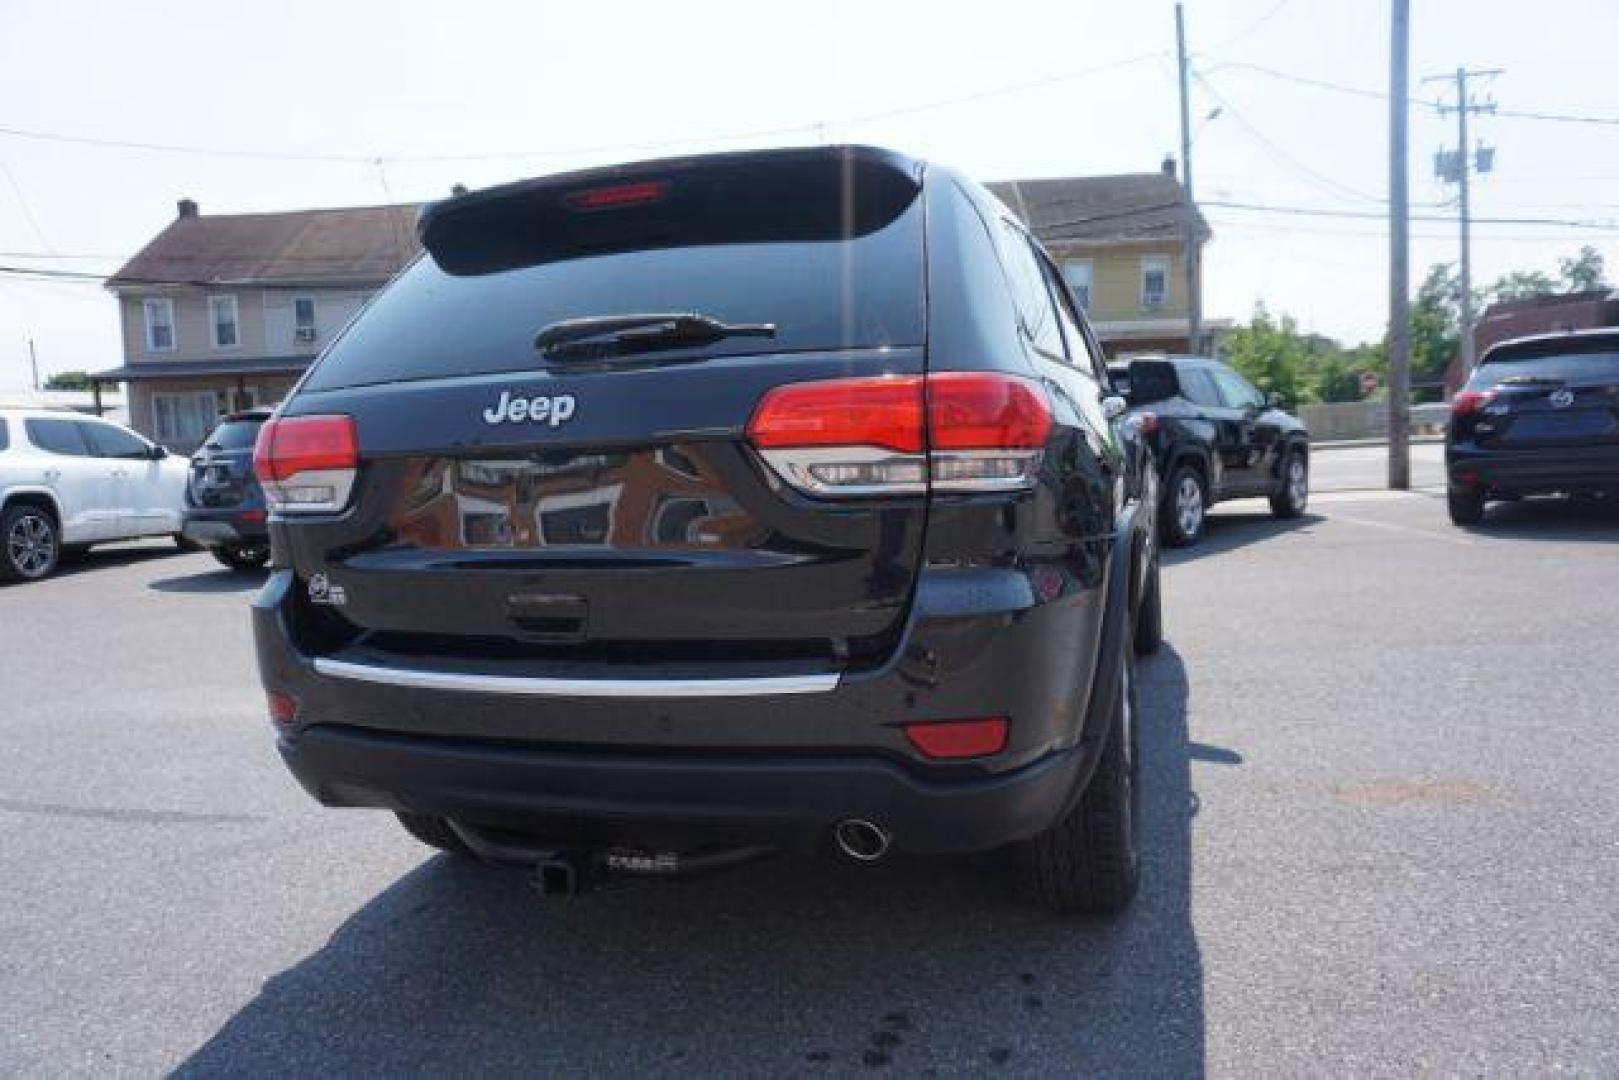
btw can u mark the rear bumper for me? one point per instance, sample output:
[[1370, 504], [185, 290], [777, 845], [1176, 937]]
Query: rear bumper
[[1532, 472], [677, 802], [678, 760], [228, 527]]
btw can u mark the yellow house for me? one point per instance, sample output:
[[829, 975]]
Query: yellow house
[[1120, 244]]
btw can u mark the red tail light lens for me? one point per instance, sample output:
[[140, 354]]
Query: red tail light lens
[[883, 412], [970, 410], [1470, 401], [307, 463], [283, 706], [1146, 423], [959, 738], [873, 436]]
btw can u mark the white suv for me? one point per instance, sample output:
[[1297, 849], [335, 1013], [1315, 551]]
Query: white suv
[[68, 481]]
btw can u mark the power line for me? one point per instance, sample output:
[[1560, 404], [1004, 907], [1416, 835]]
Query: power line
[[27, 211], [1318, 211], [1269, 14]]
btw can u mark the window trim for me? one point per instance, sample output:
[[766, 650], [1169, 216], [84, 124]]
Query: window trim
[[157, 425], [235, 320], [148, 305], [1150, 263], [1090, 280]]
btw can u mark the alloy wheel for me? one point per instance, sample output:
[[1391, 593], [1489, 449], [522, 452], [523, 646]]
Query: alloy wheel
[[31, 545], [1189, 505]]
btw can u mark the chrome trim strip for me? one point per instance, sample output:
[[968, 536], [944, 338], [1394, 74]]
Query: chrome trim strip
[[631, 688]]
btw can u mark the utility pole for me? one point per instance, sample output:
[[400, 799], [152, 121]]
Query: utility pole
[[1455, 168], [1194, 292], [1399, 252], [33, 363]]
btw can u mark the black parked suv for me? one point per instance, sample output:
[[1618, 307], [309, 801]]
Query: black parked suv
[[666, 515], [225, 510], [1215, 437], [1539, 415]]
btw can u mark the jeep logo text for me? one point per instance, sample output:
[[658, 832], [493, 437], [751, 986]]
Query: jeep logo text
[[533, 410]]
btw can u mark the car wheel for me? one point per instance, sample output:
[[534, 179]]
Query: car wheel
[[1150, 613], [1090, 860], [1294, 496], [1185, 501], [31, 547], [1466, 507], [242, 558], [434, 832], [183, 544]]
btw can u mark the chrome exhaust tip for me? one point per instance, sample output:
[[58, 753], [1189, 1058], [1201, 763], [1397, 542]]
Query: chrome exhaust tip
[[861, 840]]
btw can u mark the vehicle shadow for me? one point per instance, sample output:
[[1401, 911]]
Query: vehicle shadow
[[792, 966], [1229, 527], [1552, 519], [212, 581], [124, 554]]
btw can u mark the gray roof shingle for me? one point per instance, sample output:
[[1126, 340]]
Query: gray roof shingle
[[360, 245], [1098, 209]]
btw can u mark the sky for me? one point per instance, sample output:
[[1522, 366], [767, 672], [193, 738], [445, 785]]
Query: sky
[[305, 104]]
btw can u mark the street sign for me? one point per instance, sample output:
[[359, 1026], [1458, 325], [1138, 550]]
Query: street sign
[[1368, 383]]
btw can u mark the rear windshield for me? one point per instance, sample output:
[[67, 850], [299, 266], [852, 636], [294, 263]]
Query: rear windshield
[[236, 434], [1578, 367], [861, 292]]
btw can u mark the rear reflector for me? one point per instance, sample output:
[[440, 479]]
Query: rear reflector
[[1470, 401], [283, 707], [872, 436], [306, 464], [959, 738]]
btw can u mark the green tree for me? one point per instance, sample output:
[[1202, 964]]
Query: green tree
[[1436, 322], [1585, 271], [68, 380], [1520, 285], [1270, 353]]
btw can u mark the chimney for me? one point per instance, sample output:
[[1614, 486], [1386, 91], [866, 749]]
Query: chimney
[[187, 207], [1169, 166], [458, 190]]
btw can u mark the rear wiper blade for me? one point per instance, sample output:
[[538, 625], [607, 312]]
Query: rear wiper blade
[[1530, 380], [604, 335]]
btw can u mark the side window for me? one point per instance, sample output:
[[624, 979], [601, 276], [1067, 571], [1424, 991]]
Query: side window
[[159, 314], [1154, 281], [1029, 291], [1238, 392], [1080, 352], [108, 441], [1079, 273], [56, 436], [5, 434], [1198, 387]]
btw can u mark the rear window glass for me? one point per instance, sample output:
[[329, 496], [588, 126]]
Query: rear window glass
[[236, 434], [1603, 366], [862, 292]]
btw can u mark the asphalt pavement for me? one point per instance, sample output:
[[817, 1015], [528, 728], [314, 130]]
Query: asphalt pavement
[[1380, 840], [1365, 467]]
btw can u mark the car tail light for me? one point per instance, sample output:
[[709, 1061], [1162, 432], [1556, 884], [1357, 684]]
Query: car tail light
[[306, 464], [959, 738], [1470, 401], [1146, 423], [890, 435]]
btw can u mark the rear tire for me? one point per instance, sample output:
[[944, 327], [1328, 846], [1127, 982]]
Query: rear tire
[[242, 559], [30, 544], [1466, 507], [1186, 499], [1294, 495], [1150, 613], [1089, 860], [183, 544], [434, 832]]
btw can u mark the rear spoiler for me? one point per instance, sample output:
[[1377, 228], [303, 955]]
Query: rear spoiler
[[772, 196]]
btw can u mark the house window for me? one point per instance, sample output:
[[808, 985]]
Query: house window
[[183, 419], [1154, 281], [303, 318], [222, 316], [1077, 273], [159, 323]]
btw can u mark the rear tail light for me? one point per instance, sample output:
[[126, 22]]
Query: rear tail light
[[306, 464], [283, 706], [1470, 401], [1144, 422], [959, 738], [891, 435]]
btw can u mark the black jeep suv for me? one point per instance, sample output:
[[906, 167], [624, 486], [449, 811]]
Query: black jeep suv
[[225, 509], [1539, 415], [666, 515], [1215, 437]]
